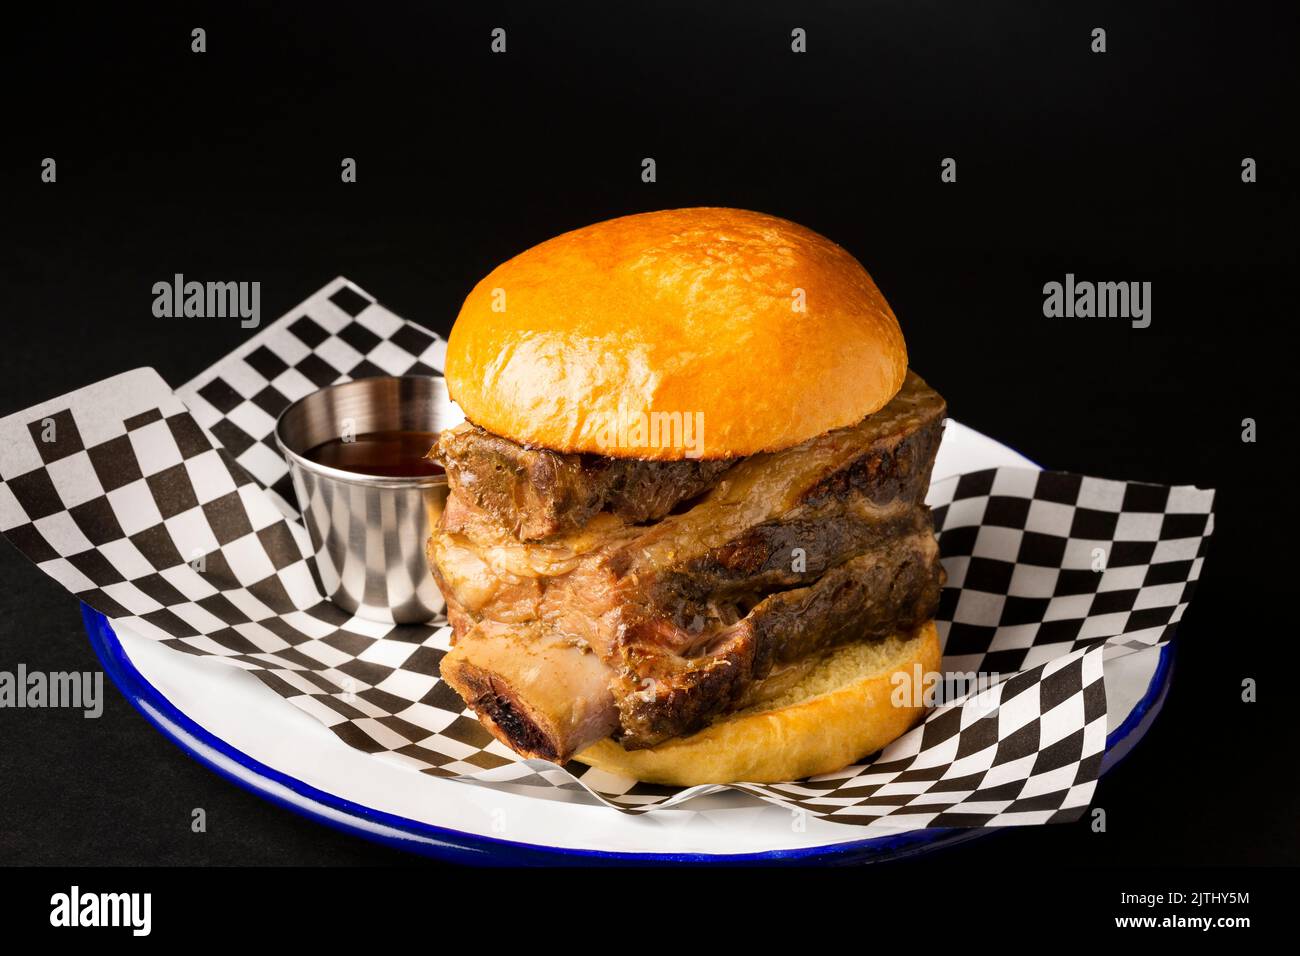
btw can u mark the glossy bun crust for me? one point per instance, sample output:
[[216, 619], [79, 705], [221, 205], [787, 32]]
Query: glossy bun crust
[[682, 311]]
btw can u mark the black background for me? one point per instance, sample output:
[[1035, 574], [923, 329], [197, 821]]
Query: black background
[[1121, 167]]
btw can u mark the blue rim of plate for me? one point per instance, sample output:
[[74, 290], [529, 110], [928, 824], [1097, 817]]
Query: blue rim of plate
[[461, 847]]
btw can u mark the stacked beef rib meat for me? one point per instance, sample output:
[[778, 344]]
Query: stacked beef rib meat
[[593, 597]]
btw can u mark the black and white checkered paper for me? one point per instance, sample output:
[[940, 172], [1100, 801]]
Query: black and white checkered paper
[[171, 513]]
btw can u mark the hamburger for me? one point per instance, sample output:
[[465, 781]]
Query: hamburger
[[686, 537]]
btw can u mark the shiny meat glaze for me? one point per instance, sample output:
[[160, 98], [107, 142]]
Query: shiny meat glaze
[[654, 630]]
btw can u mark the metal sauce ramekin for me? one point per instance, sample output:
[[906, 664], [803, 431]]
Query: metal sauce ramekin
[[369, 532]]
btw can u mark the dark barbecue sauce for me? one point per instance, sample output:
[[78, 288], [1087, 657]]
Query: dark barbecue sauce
[[394, 454]]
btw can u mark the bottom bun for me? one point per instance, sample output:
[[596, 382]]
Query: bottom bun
[[840, 710]]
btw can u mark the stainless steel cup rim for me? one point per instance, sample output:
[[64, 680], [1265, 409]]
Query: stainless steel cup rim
[[439, 387]]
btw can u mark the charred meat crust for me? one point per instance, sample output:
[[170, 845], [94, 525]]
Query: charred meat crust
[[538, 493], [890, 471], [536, 689], [760, 561], [875, 499], [505, 716], [662, 694], [841, 517]]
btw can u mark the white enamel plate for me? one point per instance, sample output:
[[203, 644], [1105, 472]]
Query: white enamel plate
[[227, 719]]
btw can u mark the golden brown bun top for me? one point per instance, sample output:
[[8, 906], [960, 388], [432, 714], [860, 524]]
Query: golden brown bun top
[[682, 311]]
